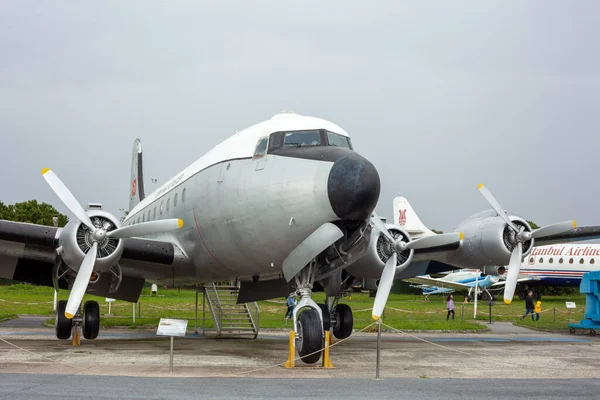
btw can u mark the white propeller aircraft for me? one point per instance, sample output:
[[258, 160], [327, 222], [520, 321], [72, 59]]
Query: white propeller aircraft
[[284, 206]]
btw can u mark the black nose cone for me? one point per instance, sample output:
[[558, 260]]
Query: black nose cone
[[353, 187]]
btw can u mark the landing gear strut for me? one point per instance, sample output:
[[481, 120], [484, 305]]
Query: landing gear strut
[[89, 320]]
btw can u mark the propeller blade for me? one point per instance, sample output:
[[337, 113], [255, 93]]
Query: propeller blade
[[81, 282], [381, 226], [436, 240], [553, 229], [65, 195], [146, 228], [496, 206], [514, 266], [385, 285]]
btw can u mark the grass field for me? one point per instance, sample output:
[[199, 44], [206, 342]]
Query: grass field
[[408, 312]]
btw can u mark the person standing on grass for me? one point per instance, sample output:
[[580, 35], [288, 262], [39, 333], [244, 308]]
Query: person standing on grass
[[529, 306], [450, 307], [291, 302], [538, 310]]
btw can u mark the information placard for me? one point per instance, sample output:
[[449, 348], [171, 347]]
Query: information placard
[[172, 327], [570, 304]]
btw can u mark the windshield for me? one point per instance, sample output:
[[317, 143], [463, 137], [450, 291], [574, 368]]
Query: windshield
[[338, 140], [302, 138]]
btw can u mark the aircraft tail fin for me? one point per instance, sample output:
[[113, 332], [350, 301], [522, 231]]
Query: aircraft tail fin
[[407, 218], [136, 193]]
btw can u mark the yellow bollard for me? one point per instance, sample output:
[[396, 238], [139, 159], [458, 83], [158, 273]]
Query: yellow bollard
[[292, 351], [76, 336], [326, 360]]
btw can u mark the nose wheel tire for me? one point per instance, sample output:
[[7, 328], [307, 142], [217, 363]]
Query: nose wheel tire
[[309, 339], [63, 325], [91, 320], [344, 321]]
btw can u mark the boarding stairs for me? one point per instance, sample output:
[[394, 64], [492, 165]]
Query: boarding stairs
[[228, 316]]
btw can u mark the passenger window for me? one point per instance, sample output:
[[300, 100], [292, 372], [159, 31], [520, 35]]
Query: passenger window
[[541, 260], [261, 148], [581, 261], [143, 217], [162, 203], [168, 204], [154, 213], [560, 261], [175, 201], [570, 261], [551, 260], [149, 214], [531, 260], [183, 196]]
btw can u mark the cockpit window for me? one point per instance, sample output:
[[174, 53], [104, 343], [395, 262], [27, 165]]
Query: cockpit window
[[338, 140], [302, 138], [261, 148]]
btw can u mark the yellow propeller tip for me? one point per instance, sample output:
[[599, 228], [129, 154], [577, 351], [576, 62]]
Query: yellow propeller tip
[[461, 235], [480, 186], [574, 224], [69, 316], [45, 170], [179, 223], [507, 301], [375, 317]]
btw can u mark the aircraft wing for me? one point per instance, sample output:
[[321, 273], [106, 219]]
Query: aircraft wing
[[424, 280], [524, 279], [28, 253], [573, 235]]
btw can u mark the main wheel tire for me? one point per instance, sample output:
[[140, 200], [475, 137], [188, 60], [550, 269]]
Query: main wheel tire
[[91, 320], [326, 317], [310, 336], [344, 321], [522, 295], [63, 325], [537, 295]]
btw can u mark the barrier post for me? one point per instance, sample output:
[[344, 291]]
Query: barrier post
[[463, 312]]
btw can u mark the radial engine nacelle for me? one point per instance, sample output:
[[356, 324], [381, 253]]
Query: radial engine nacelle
[[76, 240], [489, 240], [379, 250]]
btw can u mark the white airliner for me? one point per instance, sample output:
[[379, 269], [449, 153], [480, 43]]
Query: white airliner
[[284, 206]]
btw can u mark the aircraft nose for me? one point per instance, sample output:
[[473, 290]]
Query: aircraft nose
[[353, 187]]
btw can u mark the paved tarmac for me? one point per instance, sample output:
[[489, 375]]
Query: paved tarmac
[[25, 321], [36, 387]]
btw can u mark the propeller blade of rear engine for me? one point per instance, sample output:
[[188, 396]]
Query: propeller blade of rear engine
[[81, 282], [385, 286], [496, 206], [553, 229], [381, 226], [146, 228], [514, 266], [65, 195]]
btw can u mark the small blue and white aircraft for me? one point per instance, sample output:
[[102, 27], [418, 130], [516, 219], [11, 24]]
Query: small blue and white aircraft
[[463, 279]]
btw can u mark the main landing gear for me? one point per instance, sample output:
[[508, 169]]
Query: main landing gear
[[88, 320], [311, 320]]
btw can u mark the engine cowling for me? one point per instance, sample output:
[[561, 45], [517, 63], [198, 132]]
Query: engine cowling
[[488, 240], [74, 242], [493, 270], [378, 251]]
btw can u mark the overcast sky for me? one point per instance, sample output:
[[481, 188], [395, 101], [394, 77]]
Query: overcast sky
[[440, 96]]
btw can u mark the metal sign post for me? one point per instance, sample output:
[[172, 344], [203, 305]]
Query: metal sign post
[[171, 327], [491, 303]]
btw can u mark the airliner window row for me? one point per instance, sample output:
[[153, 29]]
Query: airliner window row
[[146, 214], [560, 260]]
